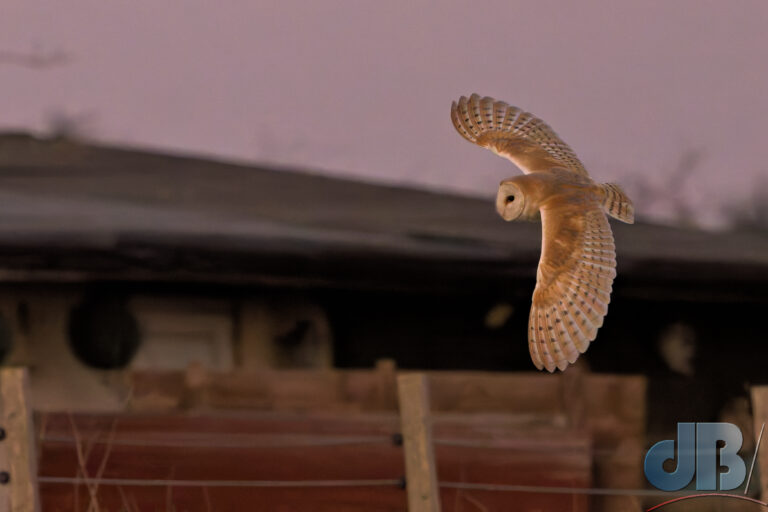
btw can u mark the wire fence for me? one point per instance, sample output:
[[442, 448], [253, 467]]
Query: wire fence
[[148, 482], [84, 441], [399, 483], [300, 441], [231, 441], [198, 440]]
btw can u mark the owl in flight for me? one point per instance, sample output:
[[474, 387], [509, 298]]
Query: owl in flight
[[578, 257]]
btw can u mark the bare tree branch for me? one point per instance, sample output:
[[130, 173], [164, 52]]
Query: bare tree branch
[[69, 125], [34, 60], [751, 214], [671, 191]]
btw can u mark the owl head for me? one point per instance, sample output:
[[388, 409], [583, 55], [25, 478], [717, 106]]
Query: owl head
[[510, 200]]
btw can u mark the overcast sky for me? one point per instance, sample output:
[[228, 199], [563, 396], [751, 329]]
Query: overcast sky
[[362, 88]]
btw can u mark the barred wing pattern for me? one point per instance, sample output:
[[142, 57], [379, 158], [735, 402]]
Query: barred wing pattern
[[514, 134], [573, 285]]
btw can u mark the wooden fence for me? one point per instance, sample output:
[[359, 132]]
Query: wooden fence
[[18, 463], [338, 440]]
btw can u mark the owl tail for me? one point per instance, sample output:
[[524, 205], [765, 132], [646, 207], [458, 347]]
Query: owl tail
[[617, 204]]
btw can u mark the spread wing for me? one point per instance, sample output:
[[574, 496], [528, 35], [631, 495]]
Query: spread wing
[[514, 134], [573, 283]]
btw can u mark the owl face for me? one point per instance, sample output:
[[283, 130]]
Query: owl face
[[510, 201]]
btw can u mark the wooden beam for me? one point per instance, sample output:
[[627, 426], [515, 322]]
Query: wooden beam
[[386, 390], [760, 416], [18, 462], [573, 394], [420, 468]]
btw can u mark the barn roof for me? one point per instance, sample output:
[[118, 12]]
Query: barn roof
[[69, 209]]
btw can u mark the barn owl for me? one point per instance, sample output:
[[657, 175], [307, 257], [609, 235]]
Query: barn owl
[[578, 256]]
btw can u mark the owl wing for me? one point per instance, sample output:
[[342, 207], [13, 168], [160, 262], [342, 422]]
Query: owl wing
[[514, 134], [573, 283]]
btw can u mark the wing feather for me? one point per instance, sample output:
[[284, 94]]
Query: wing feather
[[514, 134], [534, 347], [573, 285]]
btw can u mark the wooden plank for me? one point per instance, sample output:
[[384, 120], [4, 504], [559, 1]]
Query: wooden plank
[[59, 497], [760, 415], [17, 449], [386, 395], [476, 448], [573, 391], [420, 468], [351, 390], [615, 415]]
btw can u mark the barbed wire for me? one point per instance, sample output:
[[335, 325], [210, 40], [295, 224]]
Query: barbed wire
[[150, 482], [267, 441], [385, 482], [597, 491], [292, 440]]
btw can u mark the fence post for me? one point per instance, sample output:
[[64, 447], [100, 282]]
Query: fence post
[[420, 469], [18, 463], [760, 416]]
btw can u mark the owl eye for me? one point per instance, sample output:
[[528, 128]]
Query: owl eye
[[510, 199]]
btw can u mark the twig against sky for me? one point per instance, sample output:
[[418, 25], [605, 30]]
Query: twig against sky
[[670, 191], [34, 60]]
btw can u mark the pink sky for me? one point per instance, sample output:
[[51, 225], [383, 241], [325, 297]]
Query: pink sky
[[363, 89]]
